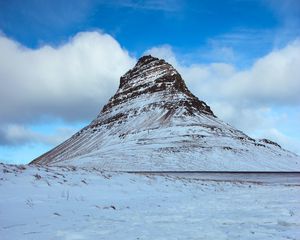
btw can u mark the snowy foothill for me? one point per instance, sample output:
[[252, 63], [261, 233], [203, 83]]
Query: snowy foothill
[[77, 203]]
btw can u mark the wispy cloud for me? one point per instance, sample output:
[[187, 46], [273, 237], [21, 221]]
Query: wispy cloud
[[156, 5], [288, 11], [244, 46]]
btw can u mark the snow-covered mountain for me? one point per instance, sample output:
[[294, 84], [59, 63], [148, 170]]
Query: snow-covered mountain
[[154, 122]]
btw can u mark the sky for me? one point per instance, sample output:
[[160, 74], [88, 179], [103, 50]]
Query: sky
[[60, 62]]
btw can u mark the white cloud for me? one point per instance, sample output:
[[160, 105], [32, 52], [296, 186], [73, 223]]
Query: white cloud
[[69, 81], [274, 78]]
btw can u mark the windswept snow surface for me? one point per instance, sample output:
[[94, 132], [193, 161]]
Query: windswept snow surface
[[67, 203]]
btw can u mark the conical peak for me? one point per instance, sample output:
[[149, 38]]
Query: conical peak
[[155, 82], [146, 59], [154, 122], [146, 70]]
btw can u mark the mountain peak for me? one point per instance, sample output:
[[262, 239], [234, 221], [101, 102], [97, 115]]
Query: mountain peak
[[146, 59], [147, 65], [160, 83]]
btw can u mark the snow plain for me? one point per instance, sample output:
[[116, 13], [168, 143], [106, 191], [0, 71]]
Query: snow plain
[[68, 203]]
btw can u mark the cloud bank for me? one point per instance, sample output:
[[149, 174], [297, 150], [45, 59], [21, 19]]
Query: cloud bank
[[14, 135], [70, 81]]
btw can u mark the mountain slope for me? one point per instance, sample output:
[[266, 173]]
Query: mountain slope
[[154, 122]]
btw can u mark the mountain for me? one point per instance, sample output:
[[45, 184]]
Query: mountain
[[154, 122]]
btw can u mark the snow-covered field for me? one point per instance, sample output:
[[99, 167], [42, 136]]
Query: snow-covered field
[[66, 203]]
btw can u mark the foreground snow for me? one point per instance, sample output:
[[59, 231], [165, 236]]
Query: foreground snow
[[66, 203]]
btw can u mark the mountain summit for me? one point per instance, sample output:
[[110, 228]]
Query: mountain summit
[[152, 83], [154, 122]]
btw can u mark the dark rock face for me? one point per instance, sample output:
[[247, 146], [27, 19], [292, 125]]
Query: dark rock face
[[267, 141], [168, 83]]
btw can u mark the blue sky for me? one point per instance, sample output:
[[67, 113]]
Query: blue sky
[[61, 61]]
